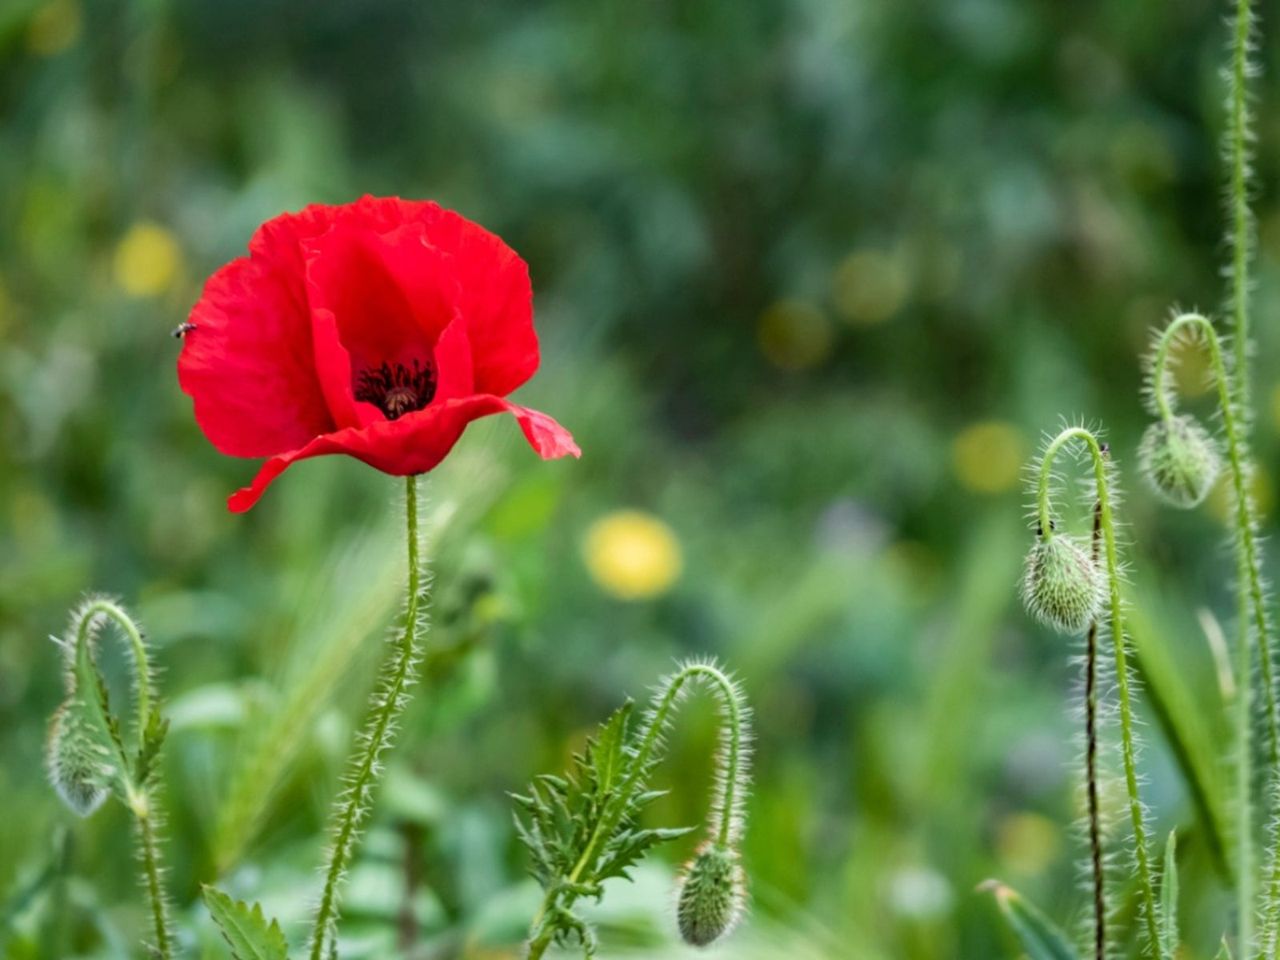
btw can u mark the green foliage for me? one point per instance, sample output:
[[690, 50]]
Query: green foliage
[[247, 931], [584, 828]]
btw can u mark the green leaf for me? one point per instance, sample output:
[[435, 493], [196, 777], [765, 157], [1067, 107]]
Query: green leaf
[[149, 751], [1192, 717], [606, 750], [246, 930], [629, 847], [1039, 936], [1169, 898]]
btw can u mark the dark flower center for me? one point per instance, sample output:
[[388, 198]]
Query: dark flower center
[[395, 389]]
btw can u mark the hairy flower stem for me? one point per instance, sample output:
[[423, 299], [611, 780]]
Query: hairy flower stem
[[724, 807], [137, 796], [150, 855], [388, 703], [1116, 607], [1238, 137], [1091, 766]]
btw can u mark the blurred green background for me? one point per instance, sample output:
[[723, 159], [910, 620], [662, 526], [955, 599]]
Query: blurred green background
[[811, 277]]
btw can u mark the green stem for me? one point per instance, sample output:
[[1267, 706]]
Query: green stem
[[1116, 608], [1241, 217], [388, 703], [150, 854], [1096, 856]]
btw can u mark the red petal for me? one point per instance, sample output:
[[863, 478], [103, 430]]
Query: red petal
[[415, 443], [495, 297], [247, 364]]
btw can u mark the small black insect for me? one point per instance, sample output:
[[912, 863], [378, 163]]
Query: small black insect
[[182, 329]]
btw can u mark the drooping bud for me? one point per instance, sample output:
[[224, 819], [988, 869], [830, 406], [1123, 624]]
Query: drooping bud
[[1180, 460], [78, 768], [711, 895], [1062, 586]]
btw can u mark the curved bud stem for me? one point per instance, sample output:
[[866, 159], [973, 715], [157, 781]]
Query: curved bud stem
[[84, 626], [389, 700], [1116, 610], [136, 774], [1252, 602]]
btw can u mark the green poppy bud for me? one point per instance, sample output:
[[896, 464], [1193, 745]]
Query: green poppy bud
[[1062, 586], [1180, 460], [75, 761], [711, 895]]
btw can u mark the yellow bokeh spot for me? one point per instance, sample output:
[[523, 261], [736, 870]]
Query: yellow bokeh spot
[[988, 456], [869, 287], [1193, 372], [1028, 843], [54, 27], [1222, 501], [795, 335], [147, 260], [632, 555]]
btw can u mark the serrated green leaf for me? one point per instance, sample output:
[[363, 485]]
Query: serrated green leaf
[[607, 748], [249, 934], [1169, 898], [629, 847], [1039, 936]]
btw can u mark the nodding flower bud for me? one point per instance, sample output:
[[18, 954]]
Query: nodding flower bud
[[1062, 586], [711, 895], [1180, 460], [76, 765]]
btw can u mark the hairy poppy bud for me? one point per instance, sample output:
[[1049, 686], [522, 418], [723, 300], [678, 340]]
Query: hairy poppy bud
[[1180, 460], [1062, 585], [76, 767], [710, 895]]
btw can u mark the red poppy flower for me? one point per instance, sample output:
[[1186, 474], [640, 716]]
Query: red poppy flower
[[377, 329]]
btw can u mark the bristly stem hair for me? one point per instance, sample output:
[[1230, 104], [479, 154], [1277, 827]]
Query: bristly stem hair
[[389, 700], [1115, 606]]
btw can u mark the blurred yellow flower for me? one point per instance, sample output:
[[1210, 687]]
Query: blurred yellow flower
[[869, 287], [1222, 499], [1028, 843], [988, 456], [147, 260], [794, 335], [54, 27], [632, 555]]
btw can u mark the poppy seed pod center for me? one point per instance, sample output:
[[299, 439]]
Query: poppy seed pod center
[[397, 389]]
